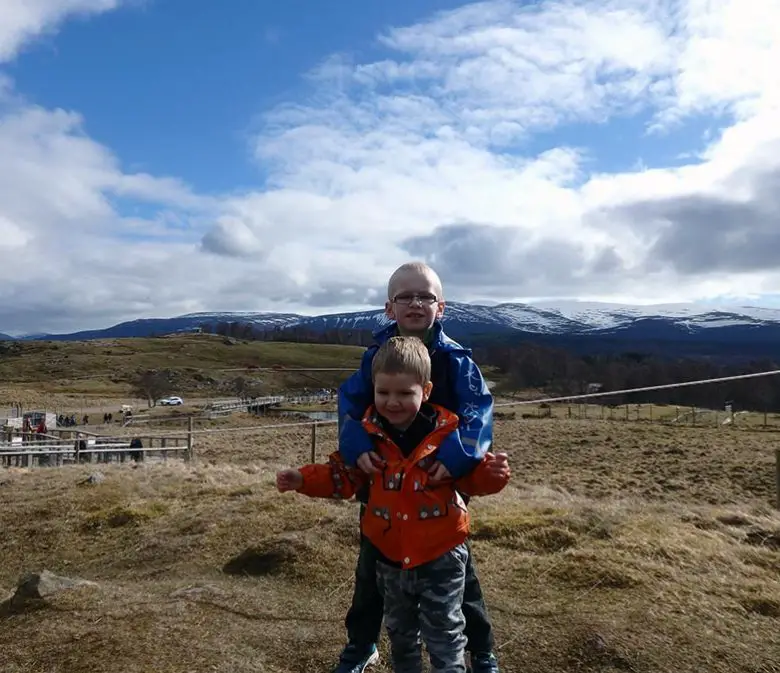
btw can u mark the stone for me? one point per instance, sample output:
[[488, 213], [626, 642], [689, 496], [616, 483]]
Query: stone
[[34, 588], [95, 478]]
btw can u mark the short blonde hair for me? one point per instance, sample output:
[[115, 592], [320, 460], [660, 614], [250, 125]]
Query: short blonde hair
[[403, 355], [420, 268]]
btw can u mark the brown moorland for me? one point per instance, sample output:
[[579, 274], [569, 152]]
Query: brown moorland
[[619, 546]]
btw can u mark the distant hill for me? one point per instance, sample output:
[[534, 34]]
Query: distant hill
[[677, 329]]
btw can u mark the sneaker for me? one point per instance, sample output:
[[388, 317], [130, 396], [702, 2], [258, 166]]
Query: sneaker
[[484, 662], [355, 659]]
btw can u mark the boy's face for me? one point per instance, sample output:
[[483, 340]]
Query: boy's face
[[398, 397], [416, 304]]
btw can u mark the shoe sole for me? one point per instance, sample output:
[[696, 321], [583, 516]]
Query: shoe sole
[[373, 659]]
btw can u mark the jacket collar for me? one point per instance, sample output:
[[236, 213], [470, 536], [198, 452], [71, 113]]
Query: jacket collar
[[439, 340], [446, 422]]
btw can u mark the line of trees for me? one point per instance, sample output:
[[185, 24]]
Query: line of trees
[[294, 334], [558, 371]]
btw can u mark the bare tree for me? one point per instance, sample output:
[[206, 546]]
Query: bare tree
[[152, 385]]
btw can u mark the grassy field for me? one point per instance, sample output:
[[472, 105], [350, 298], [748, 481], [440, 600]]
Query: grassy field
[[74, 375], [618, 547], [621, 545]]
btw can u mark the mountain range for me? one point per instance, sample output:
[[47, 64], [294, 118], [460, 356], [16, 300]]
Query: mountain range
[[678, 329]]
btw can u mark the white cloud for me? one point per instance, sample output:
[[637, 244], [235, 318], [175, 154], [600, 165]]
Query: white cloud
[[438, 138], [726, 51], [435, 150], [23, 20]]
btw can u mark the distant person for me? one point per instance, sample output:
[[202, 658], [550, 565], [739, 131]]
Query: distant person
[[135, 454], [417, 524], [81, 449], [415, 304]]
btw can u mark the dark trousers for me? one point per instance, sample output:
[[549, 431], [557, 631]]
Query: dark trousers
[[364, 619]]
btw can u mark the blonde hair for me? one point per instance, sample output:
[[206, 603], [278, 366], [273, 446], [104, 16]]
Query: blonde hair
[[419, 268], [403, 355]]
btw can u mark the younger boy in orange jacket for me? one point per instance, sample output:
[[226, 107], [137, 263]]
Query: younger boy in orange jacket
[[419, 529]]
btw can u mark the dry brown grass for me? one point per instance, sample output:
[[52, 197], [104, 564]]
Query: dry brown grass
[[618, 547]]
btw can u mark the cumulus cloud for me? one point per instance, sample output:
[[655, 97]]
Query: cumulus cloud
[[233, 238], [396, 151], [446, 149], [23, 20]]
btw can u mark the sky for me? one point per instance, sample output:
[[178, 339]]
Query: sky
[[161, 157]]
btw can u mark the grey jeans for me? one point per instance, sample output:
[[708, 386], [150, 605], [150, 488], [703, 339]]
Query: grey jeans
[[426, 602]]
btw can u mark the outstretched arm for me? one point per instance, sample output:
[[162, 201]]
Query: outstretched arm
[[327, 480], [489, 477]]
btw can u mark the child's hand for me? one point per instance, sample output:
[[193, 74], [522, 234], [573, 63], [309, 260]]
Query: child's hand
[[437, 473], [497, 466], [288, 480], [370, 462]]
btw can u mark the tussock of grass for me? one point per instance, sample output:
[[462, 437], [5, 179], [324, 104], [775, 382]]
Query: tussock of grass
[[590, 650], [584, 570], [118, 516], [278, 555], [766, 607]]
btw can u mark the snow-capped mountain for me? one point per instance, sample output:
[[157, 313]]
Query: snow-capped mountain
[[605, 316], [461, 318], [564, 318], [583, 325]]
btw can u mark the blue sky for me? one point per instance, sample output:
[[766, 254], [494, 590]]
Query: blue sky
[[166, 156], [174, 87]]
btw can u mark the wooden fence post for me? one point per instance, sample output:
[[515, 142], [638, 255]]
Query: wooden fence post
[[190, 453], [777, 476], [314, 442]]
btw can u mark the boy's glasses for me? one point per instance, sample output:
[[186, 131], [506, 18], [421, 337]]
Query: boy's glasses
[[407, 298]]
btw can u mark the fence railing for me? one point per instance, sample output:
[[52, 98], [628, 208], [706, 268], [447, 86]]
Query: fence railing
[[648, 413], [31, 453], [40, 450]]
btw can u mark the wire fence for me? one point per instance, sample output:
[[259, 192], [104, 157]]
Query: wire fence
[[557, 407], [553, 402]]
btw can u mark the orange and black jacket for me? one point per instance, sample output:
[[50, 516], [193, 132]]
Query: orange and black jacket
[[408, 520]]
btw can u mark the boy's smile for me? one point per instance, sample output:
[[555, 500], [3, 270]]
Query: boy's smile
[[398, 397]]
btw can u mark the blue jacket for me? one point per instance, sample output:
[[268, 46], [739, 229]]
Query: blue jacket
[[457, 385]]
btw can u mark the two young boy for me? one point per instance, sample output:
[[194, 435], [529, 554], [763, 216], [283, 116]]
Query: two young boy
[[458, 456]]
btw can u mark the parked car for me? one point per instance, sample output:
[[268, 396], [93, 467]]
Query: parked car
[[172, 401]]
